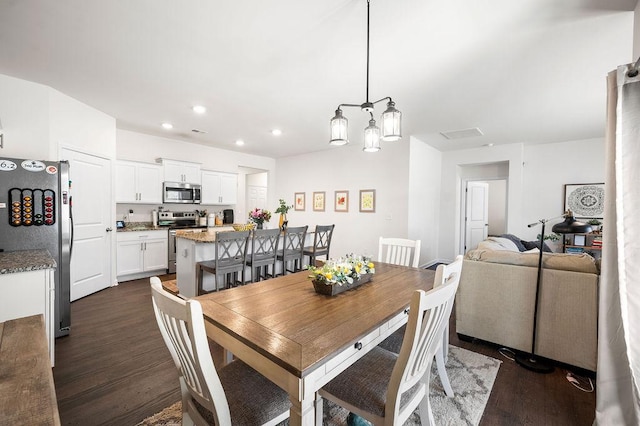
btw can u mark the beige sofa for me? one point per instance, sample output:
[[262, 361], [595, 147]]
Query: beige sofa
[[496, 297]]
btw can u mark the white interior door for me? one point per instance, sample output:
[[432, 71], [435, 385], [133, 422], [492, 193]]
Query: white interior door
[[91, 260], [477, 214], [256, 197]]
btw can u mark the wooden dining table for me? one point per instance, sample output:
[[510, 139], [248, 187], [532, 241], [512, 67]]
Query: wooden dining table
[[299, 339]]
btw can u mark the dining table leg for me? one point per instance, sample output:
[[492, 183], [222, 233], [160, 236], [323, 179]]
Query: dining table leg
[[302, 412]]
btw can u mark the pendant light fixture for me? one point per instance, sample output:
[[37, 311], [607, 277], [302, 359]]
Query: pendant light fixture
[[391, 118]]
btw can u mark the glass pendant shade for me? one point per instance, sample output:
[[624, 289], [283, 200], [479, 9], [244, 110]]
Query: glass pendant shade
[[391, 123], [339, 127], [371, 137]]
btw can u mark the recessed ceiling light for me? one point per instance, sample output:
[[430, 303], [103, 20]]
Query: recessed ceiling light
[[239, 142], [167, 126], [199, 109], [276, 132]]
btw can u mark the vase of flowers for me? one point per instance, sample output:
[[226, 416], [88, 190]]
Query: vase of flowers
[[259, 217], [283, 209], [342, 274]]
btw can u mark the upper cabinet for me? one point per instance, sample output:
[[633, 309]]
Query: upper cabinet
[[180, 171], [138, 182], [219, 188]]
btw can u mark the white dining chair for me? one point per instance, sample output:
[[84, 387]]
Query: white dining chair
[[399, 251], [445, 275], [234, 394], [385, 388]]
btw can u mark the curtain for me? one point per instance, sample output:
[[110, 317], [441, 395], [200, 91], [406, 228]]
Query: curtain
[[618, 380]]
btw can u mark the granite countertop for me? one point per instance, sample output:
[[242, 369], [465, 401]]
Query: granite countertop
[[25, 260], [207, 235], [141, 226]]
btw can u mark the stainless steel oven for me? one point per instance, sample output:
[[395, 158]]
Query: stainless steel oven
[[172, 251], [175, 221]]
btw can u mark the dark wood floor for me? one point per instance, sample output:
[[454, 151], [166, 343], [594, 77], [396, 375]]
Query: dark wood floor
[[113, 369]]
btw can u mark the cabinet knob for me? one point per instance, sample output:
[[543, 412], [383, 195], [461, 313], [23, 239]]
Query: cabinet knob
[[358, 345], [109, 229]]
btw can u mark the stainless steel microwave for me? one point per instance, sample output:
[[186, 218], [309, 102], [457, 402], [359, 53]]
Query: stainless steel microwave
[[180, 193]]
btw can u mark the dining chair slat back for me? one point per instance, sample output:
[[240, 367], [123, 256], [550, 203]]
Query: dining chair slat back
[[399, 251], [292, 247], [391, 386], [230, 257], [264, 251], [321, 243], [211, 396]]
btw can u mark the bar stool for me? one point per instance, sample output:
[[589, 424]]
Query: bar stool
[[230, 258], [264, 250], [293, 243], [321, 243]]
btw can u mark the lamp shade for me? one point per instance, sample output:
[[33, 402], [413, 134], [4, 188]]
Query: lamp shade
[[571, 226], [391, 123], [339, 127], [371, 137]]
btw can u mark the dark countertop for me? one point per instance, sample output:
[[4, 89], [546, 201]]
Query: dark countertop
[[141, 226], [25, 260]]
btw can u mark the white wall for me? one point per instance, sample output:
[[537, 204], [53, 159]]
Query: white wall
[[551, 166], [348, 168], [537, 175], [497, 206], [24, 111], [425, 171], [453, 172]]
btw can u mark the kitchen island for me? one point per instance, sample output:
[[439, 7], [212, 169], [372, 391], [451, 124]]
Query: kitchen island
[[192, 246], [28, 288]]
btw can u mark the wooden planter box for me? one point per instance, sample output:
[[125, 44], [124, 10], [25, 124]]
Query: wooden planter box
[[332, 290]]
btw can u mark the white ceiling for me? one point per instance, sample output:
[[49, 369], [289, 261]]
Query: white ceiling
[[521, 70]]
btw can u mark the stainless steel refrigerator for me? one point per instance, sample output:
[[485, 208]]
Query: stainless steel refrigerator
[[35, 213]]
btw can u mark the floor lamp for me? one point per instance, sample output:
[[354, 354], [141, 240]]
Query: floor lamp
[[569, 226]]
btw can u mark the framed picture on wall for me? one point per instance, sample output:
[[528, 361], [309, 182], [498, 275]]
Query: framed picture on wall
[[585, 200], [341, 201], [299, 204], [367, 200], [318, 201]]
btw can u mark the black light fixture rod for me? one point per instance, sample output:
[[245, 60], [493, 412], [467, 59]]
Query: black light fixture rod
[[368, 3]]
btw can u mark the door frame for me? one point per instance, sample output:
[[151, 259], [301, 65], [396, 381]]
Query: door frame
[[463, 205], [112, 211]]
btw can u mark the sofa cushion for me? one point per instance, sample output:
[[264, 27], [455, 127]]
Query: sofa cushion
[[568, 262]]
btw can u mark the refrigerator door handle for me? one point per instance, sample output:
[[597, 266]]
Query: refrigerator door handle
[[71, 226]]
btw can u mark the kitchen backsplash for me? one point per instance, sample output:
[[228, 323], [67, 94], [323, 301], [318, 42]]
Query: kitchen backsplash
[[142, 213]]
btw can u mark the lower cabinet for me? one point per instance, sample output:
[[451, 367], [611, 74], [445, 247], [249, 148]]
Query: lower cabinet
[[30, 293], [141, 254]]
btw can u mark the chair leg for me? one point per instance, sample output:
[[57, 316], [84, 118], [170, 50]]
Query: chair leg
[[442, 372], [426, 415]]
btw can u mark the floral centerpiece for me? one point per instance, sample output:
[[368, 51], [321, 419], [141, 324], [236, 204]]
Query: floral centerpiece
[[259, 216], [338, 275]]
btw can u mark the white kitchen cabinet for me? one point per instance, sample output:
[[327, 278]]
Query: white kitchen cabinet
[[30, 293], [219, 188], [181, 171], [141, 253], [138, 183]]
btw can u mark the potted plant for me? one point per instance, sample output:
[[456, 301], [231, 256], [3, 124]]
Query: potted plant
[[202, 215], [283, 209], [595, 225], [338, 275], [259, 216]]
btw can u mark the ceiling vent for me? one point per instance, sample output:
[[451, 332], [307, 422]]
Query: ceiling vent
[[198, 131], [464, 133]]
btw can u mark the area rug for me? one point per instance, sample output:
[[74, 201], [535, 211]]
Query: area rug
[[471, 375]]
